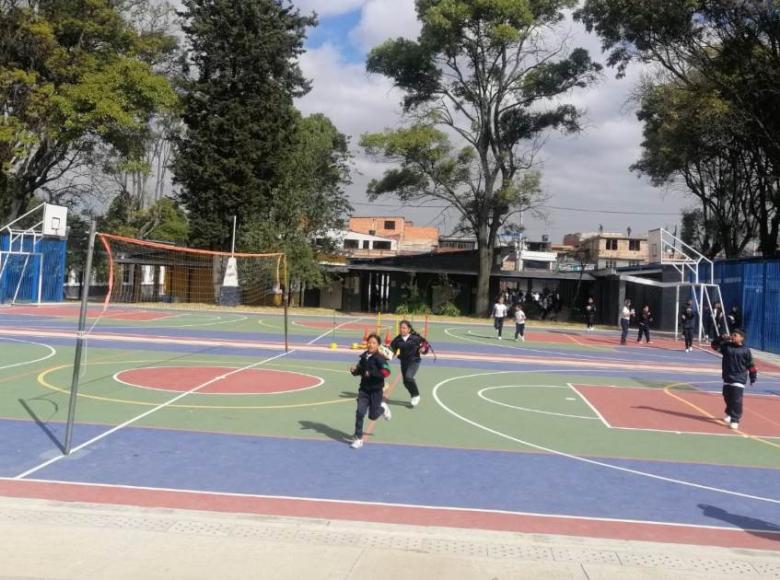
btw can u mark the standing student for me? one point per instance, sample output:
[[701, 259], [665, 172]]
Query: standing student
[[590, 313], [519, 316], [707, 322], [407, 347], [373, 369], [499, 313], [737, 366], [735, 318], [720, 320], [626, 313], [645, 319], [688, 323]]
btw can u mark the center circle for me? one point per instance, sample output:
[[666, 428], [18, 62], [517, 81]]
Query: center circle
[[218, 380]]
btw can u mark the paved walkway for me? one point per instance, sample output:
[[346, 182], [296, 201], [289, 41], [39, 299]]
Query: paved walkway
[[52, 540]]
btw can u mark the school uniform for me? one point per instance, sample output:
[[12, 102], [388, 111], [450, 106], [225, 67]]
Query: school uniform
[[519, 323], [737, 367], [625, 320], [408, 353], [499, 313], [645, 319], [688, 320], [590, 315], [372, 369]]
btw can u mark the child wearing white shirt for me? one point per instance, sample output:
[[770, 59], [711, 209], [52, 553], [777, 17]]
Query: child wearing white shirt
[[499, 313], [519, 322]]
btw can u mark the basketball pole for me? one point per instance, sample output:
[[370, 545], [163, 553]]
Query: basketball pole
[[286, 302], [74, 385]]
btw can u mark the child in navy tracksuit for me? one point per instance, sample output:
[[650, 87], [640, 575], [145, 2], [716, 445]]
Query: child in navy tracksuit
[[407, 345], [737, 367], [688, 320], [645, 319], [373, 369]]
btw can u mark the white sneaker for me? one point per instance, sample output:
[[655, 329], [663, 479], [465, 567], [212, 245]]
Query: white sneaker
[[387, 413], [415, 401], [727, 419], [522, 338], [500, 338], [734, 425], [357, 444]]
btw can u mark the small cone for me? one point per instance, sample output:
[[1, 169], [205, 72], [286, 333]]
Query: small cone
[[388, 338], [365, 335]]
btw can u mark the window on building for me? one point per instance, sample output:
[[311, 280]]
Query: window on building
[[634, 245], [389, 225], [381, 245], [610, 263], [366, 245], [633, 263], [351, 245], [612, 244]]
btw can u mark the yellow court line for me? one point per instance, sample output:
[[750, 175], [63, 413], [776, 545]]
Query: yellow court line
[[42, 380], [667, 390]]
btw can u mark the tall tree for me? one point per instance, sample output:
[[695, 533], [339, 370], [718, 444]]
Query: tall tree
[[734, 46], [238, 111], [489, 73], [690, 136], [75, 75], [309, 201]]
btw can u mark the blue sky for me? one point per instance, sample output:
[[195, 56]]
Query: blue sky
[[335, 31]]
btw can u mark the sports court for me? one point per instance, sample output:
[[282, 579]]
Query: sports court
[[566, 433]]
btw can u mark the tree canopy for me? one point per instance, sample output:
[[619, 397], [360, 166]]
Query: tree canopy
[[75, 75], [481, 86], [722, 48]]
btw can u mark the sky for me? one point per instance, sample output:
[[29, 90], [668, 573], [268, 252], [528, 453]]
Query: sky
[[587, 171]]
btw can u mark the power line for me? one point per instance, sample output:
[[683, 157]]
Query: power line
[[555, 207]]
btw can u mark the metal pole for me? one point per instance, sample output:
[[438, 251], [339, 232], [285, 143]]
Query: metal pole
[[286, 300], [74, 386], [676, 313], [233, 244]]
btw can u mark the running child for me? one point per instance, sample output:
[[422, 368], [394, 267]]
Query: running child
[[688, 323], [407, 345], [499, 313], [520, 318], [373, 369], [590, 313], [645, 319], [737, 366]]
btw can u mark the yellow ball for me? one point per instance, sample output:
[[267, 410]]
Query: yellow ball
[[333, 346]]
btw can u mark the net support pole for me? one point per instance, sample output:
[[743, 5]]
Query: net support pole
[[286, 302], [74, 385]]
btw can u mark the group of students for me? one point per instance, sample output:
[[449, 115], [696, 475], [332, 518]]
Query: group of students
[[373, 367], [516, 312]]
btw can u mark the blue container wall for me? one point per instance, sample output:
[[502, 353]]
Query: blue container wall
[[25, 277], [754, 285]]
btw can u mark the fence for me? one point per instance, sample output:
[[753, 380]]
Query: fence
[[754, 286]]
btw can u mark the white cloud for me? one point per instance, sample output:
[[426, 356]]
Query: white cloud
[[588, 170], [384, 19], [328, 7]]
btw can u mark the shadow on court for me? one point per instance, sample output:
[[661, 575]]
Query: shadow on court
[[326, 430], [700, 418], [42, 424], [754, 526]]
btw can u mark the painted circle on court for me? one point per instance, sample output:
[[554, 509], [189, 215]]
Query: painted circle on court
[[218, 380]]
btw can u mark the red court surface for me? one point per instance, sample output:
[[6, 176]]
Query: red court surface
[[246, 382], [680, 411]]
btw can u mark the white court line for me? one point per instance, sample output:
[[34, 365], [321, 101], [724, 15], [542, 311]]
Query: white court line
[[481, 395], [147, 413], [589, 404], [393, 505], [578, 457], [327, 332], [52, 352]]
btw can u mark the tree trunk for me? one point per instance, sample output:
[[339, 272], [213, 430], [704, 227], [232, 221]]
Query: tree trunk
[[483, 278]]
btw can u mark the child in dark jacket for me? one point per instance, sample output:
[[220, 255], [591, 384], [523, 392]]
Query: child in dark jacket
[[645, 320], [407, 346], [737, 367], [688, 320], [373, 369]]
